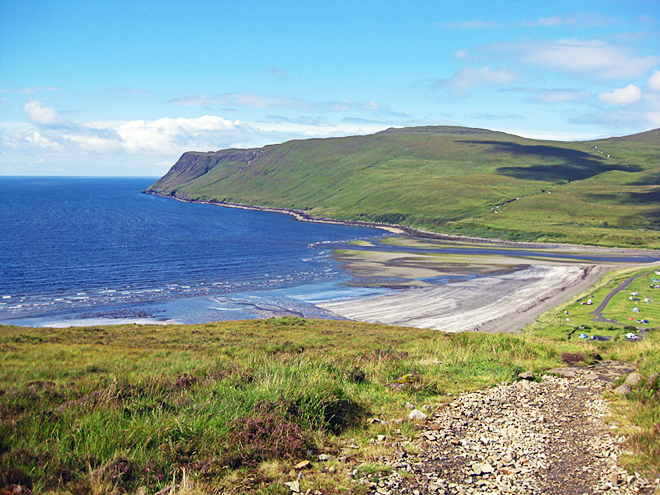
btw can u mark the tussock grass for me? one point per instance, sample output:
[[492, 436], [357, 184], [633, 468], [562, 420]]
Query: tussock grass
[[235, 405]]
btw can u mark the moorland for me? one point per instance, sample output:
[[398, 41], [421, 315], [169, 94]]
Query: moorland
[[451, 180]]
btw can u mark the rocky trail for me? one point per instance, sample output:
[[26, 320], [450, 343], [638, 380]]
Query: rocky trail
[[529, 437]]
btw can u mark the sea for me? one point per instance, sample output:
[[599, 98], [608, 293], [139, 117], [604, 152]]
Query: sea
[[86, 251]]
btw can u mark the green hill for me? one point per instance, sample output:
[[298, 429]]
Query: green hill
[[447, 179]]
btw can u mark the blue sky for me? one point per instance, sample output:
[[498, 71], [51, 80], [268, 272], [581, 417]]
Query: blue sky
[[124, 87]]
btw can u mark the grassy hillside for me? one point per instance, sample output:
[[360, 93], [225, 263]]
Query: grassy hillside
[[447, 179], [231, 407]]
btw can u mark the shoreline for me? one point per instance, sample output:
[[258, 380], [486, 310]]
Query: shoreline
[[397, 229], [498, 304]]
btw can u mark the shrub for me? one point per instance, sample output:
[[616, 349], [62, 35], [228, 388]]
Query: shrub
[[264, 437]]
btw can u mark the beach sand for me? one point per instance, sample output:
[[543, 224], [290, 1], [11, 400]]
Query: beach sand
[[499, 303]]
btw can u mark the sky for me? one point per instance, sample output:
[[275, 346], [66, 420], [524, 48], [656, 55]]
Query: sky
[[123, 88]]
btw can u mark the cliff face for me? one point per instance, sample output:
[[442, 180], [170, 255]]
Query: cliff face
[[193, 165], [449, 179]]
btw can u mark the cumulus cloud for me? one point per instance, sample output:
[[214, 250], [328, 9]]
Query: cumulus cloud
[[654, 81], [167, 137], [469, 77], [595, 59], [622, 96], [41, 115]]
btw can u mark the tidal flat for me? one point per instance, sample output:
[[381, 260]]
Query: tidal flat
[[458, 286]]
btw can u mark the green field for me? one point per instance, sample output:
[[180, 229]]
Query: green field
[[447, 179], [575, 317]]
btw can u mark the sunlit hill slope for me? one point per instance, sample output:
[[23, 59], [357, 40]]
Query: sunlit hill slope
[[456, 180]]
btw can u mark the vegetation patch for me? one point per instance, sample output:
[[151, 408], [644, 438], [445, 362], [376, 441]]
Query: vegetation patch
[[454, 180], [233, 407]]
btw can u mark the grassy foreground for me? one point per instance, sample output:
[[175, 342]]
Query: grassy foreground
[[231, 407]]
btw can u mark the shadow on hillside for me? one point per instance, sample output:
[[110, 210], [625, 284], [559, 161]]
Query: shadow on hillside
[[652, 179], [628, 198], [642, 198], [567, 164]]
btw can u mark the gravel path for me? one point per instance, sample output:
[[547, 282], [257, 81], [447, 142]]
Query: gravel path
[[528, 437]]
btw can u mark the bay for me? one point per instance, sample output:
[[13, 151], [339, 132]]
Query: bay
[[97, 250]]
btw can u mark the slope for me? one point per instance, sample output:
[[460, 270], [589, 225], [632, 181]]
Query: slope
[[446, 179]]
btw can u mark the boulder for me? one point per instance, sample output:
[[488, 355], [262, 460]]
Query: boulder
[[633, 379], [624, 389], [526, 375], [417, 415], [294, 486], [565, 372]]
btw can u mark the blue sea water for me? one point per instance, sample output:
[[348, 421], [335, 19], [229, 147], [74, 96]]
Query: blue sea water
[[81, 250]]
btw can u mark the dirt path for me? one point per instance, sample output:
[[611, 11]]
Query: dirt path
[[598, 312], [522, 438]]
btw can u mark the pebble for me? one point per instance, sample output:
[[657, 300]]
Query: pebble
[[417, 415], [524, 438]]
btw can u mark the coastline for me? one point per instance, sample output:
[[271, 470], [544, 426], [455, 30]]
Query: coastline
[[495, 303], [397, 229]]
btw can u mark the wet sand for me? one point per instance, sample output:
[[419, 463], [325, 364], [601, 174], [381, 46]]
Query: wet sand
[[500, 303], [510, 285]]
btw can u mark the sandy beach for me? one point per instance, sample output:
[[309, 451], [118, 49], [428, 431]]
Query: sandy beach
[[501, 303], [503, 288]]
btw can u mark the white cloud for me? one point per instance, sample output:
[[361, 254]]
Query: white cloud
[[164, 137], [622, 96], [469, 77], [261, 102], [654, 118], [578, 20], [125, 92], [461, 54], [242, 100], [42, 115], [278, 73], [595, 59], [654, 81], [167, 136], [28, 89]]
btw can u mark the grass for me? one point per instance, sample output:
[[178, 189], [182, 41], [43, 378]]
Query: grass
[[232, 406], [447, 179], [575, 317]]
